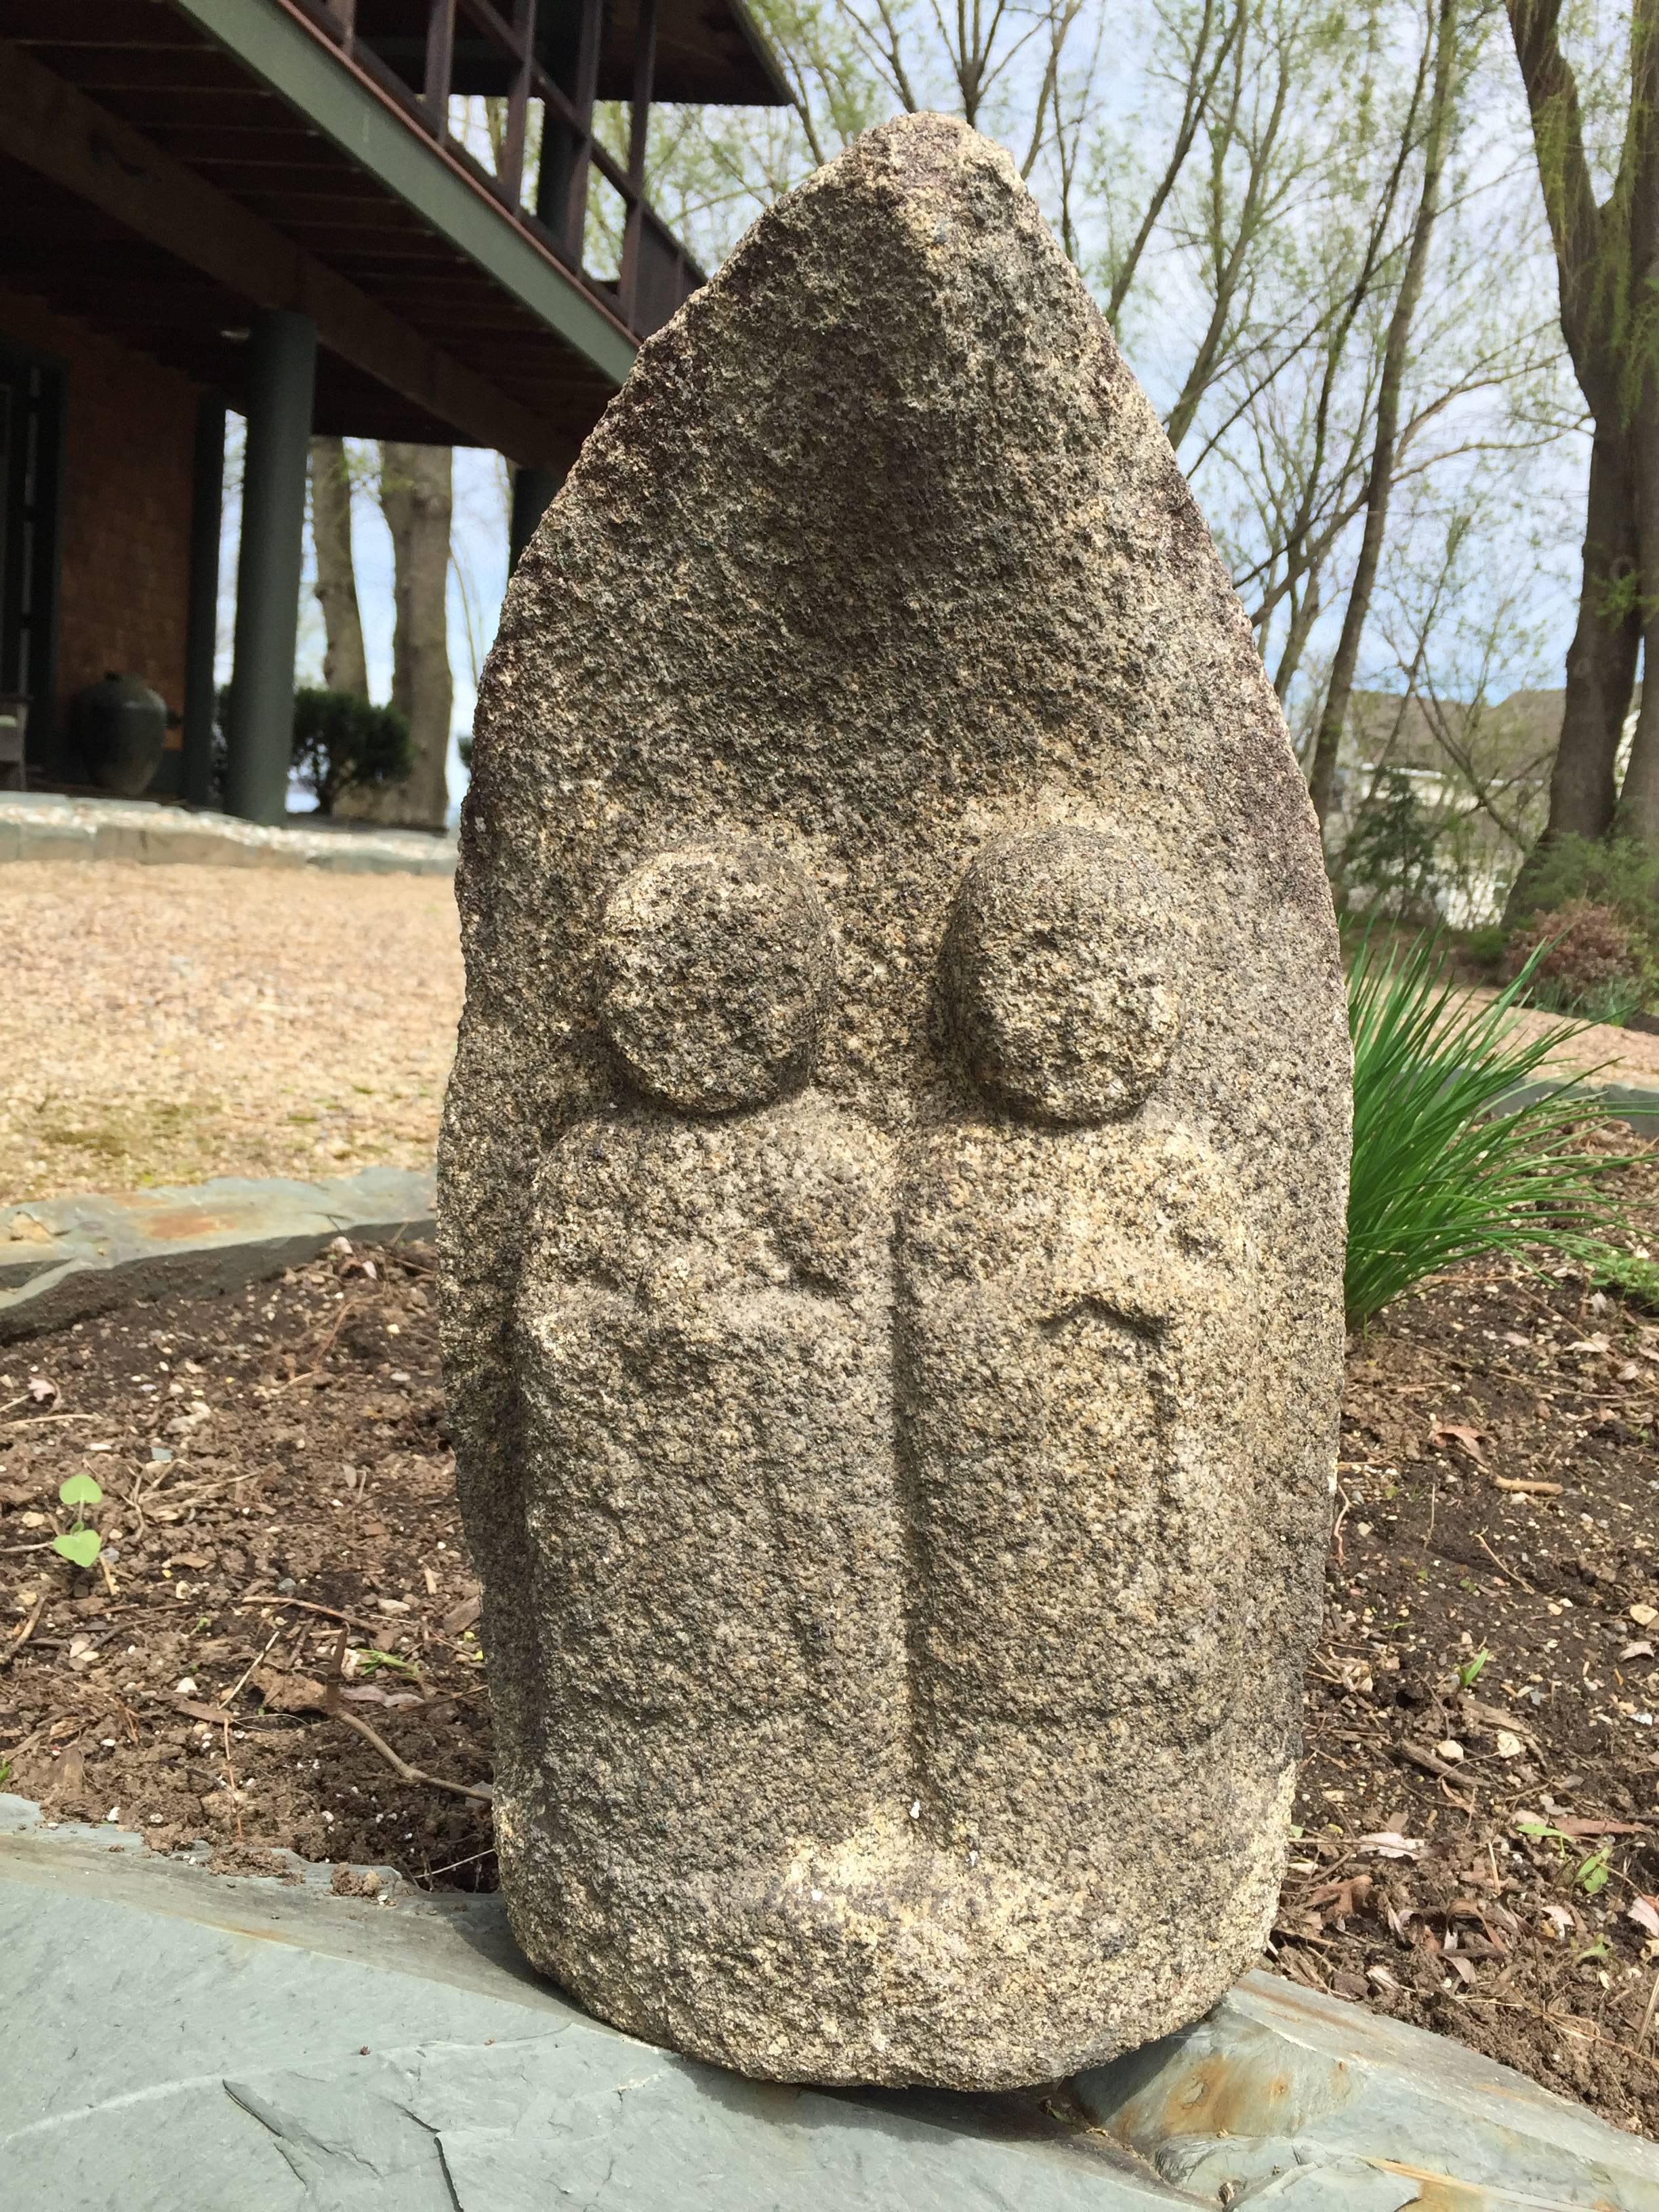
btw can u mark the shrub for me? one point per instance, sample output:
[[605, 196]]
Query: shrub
[[342, 741], [1581, 959], [1487, 943], [1620, 873], [1446, 1164], [1387, 863]]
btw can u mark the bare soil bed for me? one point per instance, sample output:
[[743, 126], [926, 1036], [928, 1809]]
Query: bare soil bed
[[284, 1624]]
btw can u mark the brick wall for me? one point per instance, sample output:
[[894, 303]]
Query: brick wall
[[128, 437]]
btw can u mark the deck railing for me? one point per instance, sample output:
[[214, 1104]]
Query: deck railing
[[656, 271]]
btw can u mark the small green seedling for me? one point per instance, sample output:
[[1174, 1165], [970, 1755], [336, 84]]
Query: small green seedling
[[1592, 1874], [1469, 1673], [80, 1544], [1543, 1832], [370, 1662], [5, 1773]]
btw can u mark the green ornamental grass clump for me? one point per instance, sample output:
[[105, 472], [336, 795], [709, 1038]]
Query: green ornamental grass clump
[[1447, 1164]]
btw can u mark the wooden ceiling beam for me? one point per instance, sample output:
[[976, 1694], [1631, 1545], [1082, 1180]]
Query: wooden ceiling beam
[[50, 127]]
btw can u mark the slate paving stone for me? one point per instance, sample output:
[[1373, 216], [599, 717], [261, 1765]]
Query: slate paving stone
[[63, 1258], [178, 2041]]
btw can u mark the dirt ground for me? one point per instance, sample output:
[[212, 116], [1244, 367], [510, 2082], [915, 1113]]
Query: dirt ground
[[165, 1024], [284, 1620]]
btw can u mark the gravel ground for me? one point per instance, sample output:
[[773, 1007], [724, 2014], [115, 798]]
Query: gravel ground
[[1617, 1055], [165, 1024]]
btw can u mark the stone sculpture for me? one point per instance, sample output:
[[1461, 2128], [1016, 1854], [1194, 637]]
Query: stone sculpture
[[892, 1178]]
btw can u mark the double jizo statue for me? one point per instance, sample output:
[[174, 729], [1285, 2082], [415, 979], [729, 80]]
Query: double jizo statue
[[892, 1177]]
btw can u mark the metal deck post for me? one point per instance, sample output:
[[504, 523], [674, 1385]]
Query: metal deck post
[[282, 371]]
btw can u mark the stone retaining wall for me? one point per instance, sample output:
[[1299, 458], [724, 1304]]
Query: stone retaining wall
[[44, 826]]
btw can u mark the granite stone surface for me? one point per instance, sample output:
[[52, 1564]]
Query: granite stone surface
[[892, 1181]]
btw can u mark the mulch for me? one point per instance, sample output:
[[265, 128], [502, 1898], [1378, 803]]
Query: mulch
[[281, 1636]]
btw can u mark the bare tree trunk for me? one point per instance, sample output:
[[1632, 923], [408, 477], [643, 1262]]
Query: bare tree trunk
[[1602, 659], [345, 668], [1379, 484], [415, 500], [1203, 74], [1230, 256], [1305, 613], [1602, 255], [1638, 802]]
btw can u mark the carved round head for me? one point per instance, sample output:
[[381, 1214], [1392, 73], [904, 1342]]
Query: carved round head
[[1053, 972], [715, 970]]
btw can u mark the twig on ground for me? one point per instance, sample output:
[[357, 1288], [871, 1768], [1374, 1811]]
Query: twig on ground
[[1431, 1765], [308, 1605], [471, 1859], [348, 1306], [485, 1796], [25, 1631], [1581, 2033], [1506, 1572], [230, 1775], [226, 1696]]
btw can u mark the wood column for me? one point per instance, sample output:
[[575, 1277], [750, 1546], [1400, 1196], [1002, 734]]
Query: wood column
[[202, 622]]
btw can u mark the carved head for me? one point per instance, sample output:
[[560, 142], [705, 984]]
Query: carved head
[[716, 965], [1053, 974]]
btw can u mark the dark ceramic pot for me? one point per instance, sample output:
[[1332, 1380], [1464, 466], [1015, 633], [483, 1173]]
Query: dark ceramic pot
[[120, 728]]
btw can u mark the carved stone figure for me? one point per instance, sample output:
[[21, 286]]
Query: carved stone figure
[[892, 1178], [704, 1364]]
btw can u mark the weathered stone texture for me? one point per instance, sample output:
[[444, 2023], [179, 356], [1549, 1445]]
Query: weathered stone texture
[[892, 1181]]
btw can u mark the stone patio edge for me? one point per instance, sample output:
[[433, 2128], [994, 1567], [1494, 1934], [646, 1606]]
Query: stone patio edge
[[65, 1260], [44, 826]]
